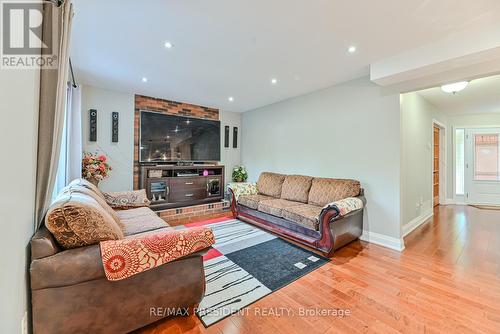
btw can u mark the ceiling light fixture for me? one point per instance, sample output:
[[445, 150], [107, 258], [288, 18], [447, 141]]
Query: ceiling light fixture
[[230, 99], [454, 87], [274, 81], [351, 49], [144, 79], [168, 45]]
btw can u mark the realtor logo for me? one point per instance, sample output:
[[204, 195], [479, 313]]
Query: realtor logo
[[27, 41]]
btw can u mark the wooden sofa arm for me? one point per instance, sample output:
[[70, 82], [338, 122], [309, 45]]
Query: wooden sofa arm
[[349, 225]]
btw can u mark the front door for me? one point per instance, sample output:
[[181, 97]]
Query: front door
[[482, 166]]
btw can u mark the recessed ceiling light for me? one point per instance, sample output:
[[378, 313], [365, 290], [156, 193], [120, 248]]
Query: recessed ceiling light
[[230, 99], [168, 45], [274, 81], [144, 79], [454, 87], [351, 49]]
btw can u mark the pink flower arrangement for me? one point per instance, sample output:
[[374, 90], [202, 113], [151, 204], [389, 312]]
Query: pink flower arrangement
[[95, 166]]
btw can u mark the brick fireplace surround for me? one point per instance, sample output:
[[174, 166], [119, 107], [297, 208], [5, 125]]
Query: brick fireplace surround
[[182, 109]]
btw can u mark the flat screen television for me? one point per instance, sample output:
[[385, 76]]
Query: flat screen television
[[168, 138]]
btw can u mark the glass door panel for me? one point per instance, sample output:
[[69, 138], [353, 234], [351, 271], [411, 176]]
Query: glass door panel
[[486, 156]]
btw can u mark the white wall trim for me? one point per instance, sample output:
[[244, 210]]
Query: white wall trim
[[443, 177], [383, 240], [416, 222], [451, 201]]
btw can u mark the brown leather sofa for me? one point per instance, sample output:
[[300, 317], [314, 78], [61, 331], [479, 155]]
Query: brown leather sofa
[[70, 293], [301, 208]]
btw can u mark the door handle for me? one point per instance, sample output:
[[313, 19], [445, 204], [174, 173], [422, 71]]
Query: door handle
[[189, 195], [168, 190], [189, 183]]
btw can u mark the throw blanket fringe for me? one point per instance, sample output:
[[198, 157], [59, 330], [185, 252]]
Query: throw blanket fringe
[[127, 257]]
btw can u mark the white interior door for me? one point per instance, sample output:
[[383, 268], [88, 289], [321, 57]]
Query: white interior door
[[482, 166]]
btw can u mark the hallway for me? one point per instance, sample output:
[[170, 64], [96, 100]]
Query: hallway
[[460, 235]]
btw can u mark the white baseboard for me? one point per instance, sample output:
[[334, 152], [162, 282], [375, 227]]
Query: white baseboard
[[451, 201], [383, 240], [413, 224]]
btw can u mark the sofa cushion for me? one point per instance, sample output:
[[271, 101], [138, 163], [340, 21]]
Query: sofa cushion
[[270, 184], [296, 188], [275, 206], [87, 191], [76, 219], [325, 190], [252, 201], [88, 185], [127, 199], [140, 220], [305, 214]]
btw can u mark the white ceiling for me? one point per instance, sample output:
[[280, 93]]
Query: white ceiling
[[481, 96], [233, 48]]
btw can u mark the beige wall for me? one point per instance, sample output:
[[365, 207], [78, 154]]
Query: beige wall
[[417, 116], [351, 130], [19, 93], [230, 157], [121, 154], [475, 120]]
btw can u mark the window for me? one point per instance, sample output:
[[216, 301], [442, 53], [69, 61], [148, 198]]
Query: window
[[70, 157], [459, 161], [486, 157]]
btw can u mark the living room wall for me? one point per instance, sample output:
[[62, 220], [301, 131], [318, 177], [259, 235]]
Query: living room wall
[[121, 154], [351, 130], [417, 116], [19, 92]]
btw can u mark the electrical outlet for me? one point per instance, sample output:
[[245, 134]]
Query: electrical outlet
[[24, 323]]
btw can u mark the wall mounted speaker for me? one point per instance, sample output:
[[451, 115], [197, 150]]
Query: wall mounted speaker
[[235, 137], [114, 127], [226, 136], [92, 125]]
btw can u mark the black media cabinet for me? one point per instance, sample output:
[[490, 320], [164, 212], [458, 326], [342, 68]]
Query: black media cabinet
[[173, 186]]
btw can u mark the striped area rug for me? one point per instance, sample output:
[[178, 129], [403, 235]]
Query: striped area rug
[[246, 264]]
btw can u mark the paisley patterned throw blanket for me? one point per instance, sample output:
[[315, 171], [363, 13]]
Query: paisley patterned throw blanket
[[346, 205], [126, 257]]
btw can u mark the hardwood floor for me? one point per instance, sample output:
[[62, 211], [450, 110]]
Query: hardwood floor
[[446, 280]]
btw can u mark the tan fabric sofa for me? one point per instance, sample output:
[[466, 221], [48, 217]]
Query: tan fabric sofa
[[303, 208], [69, 290]]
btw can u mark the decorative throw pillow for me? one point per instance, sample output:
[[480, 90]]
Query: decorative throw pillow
[[270, 184], [76, 219], [127, 199]]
